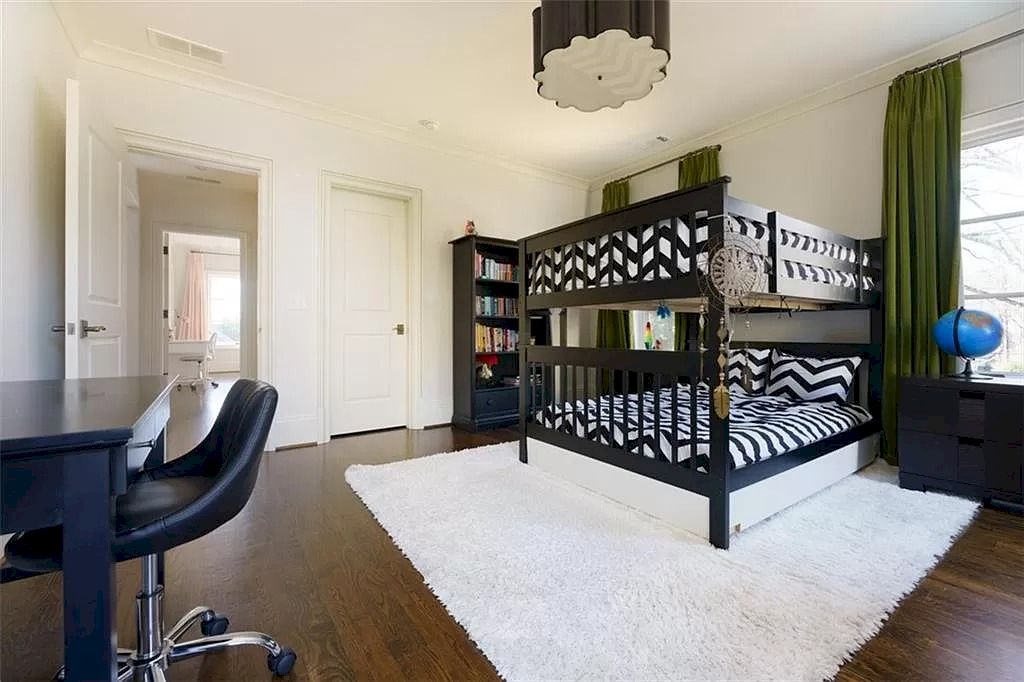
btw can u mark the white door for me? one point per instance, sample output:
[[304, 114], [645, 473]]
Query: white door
[[95, 265], [368, 345]]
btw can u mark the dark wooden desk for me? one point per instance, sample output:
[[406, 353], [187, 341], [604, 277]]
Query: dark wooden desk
[[67, 449]]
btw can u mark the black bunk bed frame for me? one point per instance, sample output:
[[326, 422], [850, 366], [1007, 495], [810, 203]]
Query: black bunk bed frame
[[555, 370]]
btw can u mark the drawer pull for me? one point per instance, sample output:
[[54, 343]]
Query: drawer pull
[[143, 444]]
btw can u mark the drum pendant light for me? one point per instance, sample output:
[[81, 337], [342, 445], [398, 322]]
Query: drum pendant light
[[592, 54]]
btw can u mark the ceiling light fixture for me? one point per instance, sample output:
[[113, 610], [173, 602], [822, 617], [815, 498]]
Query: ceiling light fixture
[[592, 54], [428, 124]]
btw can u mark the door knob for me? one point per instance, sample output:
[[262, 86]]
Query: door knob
[[91, 328], [400, 329], [69, 328]]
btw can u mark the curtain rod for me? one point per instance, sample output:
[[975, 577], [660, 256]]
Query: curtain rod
[[716, 147], [956, 55], [980, 46]]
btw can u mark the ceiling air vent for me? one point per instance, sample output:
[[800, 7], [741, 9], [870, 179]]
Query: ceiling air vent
[[196, 178], [183, 46]]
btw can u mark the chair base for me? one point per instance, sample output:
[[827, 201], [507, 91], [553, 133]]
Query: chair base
[[156, 651]]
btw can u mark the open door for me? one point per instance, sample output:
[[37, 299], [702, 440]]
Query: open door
[[95, 261]]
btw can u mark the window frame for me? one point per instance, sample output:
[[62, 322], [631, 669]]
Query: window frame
[[217, 272], [990, 134]]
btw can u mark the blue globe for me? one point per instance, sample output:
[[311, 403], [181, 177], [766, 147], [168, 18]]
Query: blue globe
[[968, 333]]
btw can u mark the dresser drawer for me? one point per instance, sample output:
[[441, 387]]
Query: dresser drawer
[[928, 409], [971, 417], [496, 401], [1003, 464], [1004, 417], [928, 454], [970, 463]]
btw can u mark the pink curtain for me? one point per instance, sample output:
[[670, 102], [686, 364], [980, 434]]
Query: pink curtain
[[192, 322]]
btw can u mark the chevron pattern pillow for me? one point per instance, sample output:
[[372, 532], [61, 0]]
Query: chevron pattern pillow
[[756, 361], [815, 379]]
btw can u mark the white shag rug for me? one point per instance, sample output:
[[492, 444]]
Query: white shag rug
[[553, 581]]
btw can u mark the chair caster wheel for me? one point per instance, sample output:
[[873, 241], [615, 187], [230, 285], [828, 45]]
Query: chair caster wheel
[[217, 625], [281, 664]]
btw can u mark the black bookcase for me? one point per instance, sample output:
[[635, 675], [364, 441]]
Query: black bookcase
[[485, 330]]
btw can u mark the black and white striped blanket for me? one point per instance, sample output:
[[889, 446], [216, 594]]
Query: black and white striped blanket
[[759, 426], [647, 255]]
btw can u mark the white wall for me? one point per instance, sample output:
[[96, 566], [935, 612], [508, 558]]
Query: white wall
[[37, 59], [503, 202], [171, 202], [825, 165]]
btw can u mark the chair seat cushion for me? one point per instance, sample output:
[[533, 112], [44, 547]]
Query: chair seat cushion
[[146, 502]]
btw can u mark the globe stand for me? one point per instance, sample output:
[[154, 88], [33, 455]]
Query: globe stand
[[968, 373]]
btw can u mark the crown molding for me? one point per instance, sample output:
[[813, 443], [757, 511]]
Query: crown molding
[[863, 82], [161, 69]]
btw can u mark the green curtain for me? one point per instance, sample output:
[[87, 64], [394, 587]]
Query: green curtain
[[696, 168], [613, 328], [921, 226]]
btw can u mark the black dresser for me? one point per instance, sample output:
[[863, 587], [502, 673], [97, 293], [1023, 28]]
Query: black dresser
[[963, 436]]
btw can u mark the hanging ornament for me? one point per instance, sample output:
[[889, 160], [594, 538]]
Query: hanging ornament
[[748, 374], [663, 312], [648, 336], [721, 396]]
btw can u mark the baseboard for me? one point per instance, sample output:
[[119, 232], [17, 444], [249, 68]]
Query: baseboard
[[291, 431]]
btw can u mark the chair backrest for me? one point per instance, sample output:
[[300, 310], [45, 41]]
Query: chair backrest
[[230, 455], [211, 347]]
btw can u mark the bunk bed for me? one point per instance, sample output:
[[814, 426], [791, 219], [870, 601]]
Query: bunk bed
[[641, 426]]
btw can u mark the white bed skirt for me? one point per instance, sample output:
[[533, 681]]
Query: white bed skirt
[[689, 511]]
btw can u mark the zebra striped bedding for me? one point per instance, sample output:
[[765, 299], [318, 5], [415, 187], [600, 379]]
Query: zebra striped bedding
[[625, 256], [759, 426]]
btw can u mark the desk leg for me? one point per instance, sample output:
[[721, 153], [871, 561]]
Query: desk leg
[[90, 638]]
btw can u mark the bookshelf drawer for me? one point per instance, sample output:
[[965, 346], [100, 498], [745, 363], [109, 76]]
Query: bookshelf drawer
[[496, 401]]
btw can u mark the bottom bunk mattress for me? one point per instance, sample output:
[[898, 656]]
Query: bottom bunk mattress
[[760, 426]]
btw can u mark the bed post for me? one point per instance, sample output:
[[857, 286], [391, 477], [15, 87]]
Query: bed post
[[719, 465], [876, 371], [525, 387]]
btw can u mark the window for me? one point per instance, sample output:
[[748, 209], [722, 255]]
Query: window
[[224, 294], [663, 331], [992, 242]]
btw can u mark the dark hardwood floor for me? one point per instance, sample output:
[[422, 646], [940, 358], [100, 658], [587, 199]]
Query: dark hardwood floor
[[306, 562]]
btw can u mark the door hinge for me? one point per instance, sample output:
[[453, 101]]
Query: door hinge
[[166, 251], [165, 313]]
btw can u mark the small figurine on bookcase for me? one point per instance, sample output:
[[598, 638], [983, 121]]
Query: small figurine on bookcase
[[470, 228]]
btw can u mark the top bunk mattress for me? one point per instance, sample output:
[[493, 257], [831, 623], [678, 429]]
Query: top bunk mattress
[[646, 254], [760, 426]]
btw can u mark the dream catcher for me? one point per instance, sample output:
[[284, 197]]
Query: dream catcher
[[731, 268]]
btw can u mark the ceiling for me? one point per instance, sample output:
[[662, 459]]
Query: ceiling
[[468, 65], [197, 173]]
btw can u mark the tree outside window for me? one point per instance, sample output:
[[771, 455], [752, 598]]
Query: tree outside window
[[224, 293], [992, 242]]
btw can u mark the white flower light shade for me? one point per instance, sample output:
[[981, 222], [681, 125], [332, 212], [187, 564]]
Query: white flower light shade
[[592, 54]]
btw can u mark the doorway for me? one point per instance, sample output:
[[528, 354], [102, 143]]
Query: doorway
[[368, 311], [202, 291], [199, 252]]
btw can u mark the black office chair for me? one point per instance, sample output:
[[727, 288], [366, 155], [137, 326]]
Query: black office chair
[[168, 506]]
